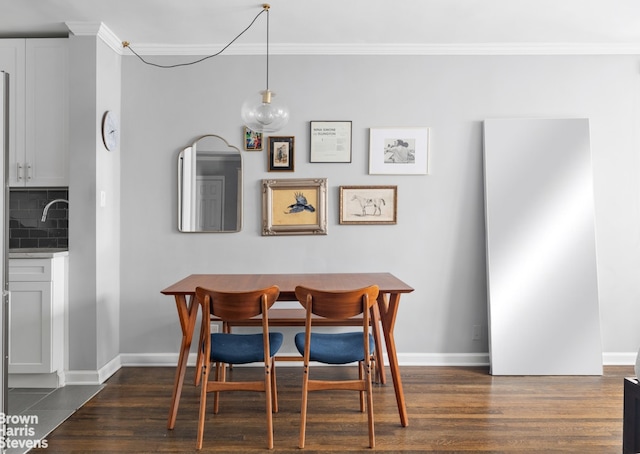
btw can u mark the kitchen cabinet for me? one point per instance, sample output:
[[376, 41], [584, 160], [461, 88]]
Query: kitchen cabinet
[[12, 61], [39, 112], [36, 319]]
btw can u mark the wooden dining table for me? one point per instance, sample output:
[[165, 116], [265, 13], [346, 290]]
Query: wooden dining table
[[386, 311]]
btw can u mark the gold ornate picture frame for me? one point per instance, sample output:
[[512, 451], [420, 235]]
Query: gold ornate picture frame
[[295, 206]]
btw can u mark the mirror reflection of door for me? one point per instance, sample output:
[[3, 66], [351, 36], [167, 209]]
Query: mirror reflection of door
[[210, 213]]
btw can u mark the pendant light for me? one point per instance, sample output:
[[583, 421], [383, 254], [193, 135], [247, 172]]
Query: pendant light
[[262, 112]]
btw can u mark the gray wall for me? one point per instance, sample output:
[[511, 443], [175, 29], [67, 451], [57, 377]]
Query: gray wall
[[94, 264], [437, 246], [82, 223], [108, 214]]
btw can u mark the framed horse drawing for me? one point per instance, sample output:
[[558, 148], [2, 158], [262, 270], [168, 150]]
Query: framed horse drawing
[[368, 204]]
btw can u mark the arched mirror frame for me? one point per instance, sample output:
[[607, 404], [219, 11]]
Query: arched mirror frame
[[219, 184]]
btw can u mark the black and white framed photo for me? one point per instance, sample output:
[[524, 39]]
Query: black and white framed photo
[[399, 151], [330, 141]]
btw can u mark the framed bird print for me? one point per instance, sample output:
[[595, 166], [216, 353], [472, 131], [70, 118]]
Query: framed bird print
[[295, 206]]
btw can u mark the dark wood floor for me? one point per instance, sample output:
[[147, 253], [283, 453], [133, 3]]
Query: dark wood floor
[[451, 409]]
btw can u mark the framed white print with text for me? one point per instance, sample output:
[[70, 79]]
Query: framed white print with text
[[399, 151], [330, 141]]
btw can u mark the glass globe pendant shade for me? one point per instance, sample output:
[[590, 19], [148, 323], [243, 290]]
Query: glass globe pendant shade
[[261, 113]]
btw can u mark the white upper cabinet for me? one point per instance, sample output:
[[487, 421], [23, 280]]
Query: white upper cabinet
[[47, 112], [12, 57], [39, 112]]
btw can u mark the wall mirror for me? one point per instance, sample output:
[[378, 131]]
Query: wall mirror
[[210, 186]]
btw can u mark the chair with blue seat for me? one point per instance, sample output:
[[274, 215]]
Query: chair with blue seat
[[227, 348], [337, 348]]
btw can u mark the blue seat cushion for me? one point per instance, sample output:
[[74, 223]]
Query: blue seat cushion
[[339, 348], [242, 348]]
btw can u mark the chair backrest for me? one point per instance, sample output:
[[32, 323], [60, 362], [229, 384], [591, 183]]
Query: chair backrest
[[237, 305], [338, 305]]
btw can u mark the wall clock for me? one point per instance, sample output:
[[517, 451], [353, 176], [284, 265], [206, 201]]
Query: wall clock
[[110, 130]]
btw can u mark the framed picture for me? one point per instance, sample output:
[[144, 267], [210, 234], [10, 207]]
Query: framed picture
[[294, 207], [330, 141], [252, 140], [280, 154], [368, 204], [399, 151]]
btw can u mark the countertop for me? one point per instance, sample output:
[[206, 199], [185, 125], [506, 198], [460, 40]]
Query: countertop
[[37, 253]]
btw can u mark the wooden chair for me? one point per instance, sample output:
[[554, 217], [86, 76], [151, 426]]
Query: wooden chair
[[297, 317], [338, 348], [227, 348]]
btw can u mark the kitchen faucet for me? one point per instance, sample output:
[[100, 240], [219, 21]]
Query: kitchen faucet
[[48, 205]]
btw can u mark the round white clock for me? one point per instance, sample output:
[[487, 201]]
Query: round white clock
[[110, 130]]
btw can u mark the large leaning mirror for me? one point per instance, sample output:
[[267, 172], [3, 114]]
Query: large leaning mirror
[[210, 186], [544, 316]]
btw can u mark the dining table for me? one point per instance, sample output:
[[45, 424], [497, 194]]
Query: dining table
[[386, 310]]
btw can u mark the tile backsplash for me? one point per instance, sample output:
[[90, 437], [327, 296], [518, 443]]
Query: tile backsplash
[[26, 230]]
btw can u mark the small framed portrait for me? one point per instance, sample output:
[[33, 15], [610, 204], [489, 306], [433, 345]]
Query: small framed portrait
[[368, 204], [281, 154], [294, 206], [399, 151], [252, 140]]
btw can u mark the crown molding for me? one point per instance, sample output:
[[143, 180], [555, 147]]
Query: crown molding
[[395, 49], [103, 32], [99, 30]]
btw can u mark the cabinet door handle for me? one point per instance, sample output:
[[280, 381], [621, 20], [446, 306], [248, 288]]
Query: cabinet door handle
[[6, 302], [19, 174], [28, 172]]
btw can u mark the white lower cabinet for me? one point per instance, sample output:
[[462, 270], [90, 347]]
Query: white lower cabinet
[[36, 322]]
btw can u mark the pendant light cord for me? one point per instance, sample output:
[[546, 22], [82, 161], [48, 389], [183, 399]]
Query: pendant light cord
[[267, 10], [128, 45]]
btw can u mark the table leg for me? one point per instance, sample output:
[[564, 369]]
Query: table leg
[[187, 312], [388, 312]]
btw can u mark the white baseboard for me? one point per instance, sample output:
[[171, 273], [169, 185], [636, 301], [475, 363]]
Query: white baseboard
[[619, 359], [51, 380], [94, 377], [97, 377], [407, 359], [83, 377]]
